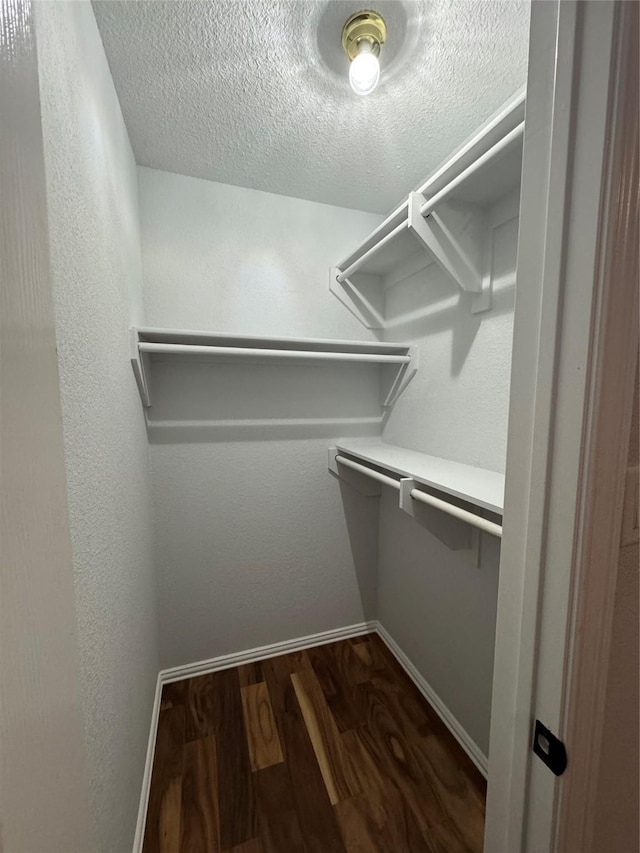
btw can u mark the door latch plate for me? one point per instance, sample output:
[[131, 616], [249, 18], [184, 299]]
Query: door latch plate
[[549, 749]]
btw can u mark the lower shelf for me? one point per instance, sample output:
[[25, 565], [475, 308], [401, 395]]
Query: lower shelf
[[484, 489], [463, 497]]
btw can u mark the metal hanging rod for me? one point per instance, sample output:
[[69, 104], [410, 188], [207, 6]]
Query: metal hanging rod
[[424, 497], [355, 266], [433, 202], [251, 352], [370, 472], [457, 512]]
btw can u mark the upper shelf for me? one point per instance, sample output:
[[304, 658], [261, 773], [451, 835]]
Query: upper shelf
[[442, 222], [168, 341], [476, 486], [147, 342]]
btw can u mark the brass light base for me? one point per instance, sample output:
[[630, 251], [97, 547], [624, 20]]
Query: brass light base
[[363, 26]]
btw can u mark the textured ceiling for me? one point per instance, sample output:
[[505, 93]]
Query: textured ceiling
[[256, 93]]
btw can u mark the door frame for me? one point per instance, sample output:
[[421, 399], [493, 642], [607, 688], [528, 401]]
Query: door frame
[[575, 347], [608, 429]]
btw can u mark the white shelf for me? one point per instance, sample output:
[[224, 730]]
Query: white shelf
[[484, 489], [398, 361], [318, 345], [442, 222]]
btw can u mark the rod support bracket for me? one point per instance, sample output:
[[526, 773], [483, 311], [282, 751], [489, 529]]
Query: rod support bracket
[[454, 236], [140, 365], [350, 297], [360, 482], [455, 534]]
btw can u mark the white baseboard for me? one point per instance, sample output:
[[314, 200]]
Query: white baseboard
[[148, 765], [455, 727], [203, 667], [178, 673]]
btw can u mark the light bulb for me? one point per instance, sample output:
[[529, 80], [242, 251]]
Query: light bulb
[[364, 71]]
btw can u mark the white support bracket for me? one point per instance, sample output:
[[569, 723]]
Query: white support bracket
[[461, 256], [360, 482], [352, 298], [393, 381], [455, 534], [140, 365]]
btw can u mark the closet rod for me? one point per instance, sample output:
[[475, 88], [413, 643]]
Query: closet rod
[[463, 514], [355, 266], [250, 352], [503, 143], [375, 475]]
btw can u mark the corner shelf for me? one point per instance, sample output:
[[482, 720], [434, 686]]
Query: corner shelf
[[442, 222], [398, 362]]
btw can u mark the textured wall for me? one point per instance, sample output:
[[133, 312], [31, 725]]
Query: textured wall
[[254, 543], [254, 546], [457, 405], [43, 782], [223, 258], [438, 606], [92, 197]]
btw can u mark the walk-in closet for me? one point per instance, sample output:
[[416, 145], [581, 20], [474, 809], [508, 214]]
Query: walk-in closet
[[309, 371]]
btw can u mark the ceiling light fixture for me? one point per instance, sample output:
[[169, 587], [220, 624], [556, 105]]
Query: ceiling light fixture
[[362, 36]]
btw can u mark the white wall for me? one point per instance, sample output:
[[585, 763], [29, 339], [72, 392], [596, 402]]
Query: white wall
[[95, 254], [253, 541], [224, 258], [457, 404], [438, 606], [43, 803]]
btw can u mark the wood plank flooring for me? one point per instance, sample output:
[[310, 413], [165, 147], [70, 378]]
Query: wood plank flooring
[[328, 749]]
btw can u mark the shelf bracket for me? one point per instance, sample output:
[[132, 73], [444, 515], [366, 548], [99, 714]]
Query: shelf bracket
[[355, 301], [393, 381], [455, 534], [140, 365], [360, 482], [461, 256]]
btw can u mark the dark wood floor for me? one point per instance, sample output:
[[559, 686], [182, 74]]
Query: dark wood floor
[[328, 749]]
